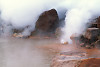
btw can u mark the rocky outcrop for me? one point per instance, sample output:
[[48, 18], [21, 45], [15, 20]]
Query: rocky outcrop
[[98, 21], [91, 62], [47, 22], [90, 37]]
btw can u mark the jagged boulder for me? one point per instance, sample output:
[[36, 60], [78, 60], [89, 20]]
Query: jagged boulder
[[90, 37], [47, 22]]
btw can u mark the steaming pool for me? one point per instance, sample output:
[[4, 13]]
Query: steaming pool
[[25, 52], [15, 52]]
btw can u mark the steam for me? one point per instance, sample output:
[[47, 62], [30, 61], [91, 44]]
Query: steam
[[22, 53], [23, 13], [80, 12], [75, 23]]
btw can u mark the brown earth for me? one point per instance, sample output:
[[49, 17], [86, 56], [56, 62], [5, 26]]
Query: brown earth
[[71, 55], [92, 62]]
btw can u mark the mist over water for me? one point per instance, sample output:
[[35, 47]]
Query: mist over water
[[23, 53]]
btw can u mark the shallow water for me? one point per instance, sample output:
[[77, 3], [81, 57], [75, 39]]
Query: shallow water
[[36, 52], [24, 53]]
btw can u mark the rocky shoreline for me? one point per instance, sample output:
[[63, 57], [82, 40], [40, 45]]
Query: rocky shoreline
[[76, 59]]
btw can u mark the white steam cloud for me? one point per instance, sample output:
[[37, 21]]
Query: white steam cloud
[[22, 13], [80, 12]]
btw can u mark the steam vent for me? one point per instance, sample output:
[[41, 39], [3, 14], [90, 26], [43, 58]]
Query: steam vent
[[49, 33], [88, 55]]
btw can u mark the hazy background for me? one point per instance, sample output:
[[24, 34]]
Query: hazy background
[[21, 13]]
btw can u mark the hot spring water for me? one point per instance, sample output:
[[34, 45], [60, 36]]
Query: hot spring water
[[22, 53]]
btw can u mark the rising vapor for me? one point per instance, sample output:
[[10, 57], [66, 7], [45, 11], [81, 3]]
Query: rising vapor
[[80, 12], [22, 13]]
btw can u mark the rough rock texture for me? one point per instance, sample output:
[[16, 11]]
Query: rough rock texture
[[92, 33], [75, 59], [47, 22], [90, 37], [97, 44], [17, 30], [98, 21], [91, 62]]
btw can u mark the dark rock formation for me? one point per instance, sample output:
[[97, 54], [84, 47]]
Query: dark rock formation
[[95, 23], [18, 30], [98, 21], [47, 22], [92, 34], [90, 37], [97, 44]]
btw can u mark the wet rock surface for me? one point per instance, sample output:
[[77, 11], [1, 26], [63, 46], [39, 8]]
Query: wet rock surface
[[71, 55], [75, 59]]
